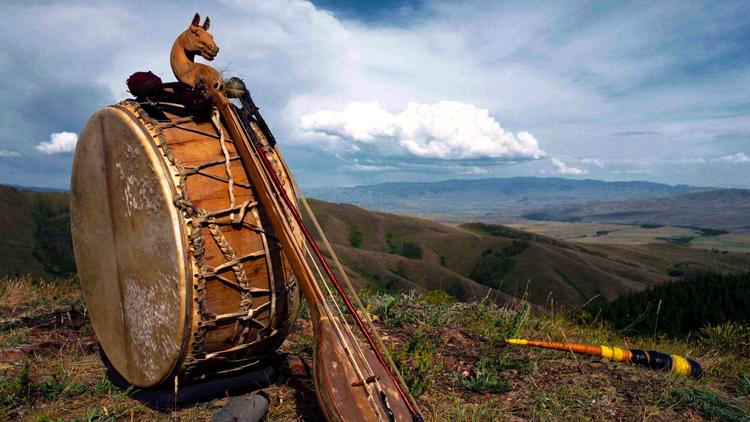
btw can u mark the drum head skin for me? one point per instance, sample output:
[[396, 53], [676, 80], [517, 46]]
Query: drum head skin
[[130, 248]]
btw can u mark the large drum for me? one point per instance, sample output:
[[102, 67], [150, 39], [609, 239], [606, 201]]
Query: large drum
[[180, 269]]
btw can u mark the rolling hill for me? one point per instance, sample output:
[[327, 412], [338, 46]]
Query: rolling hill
[[471, 198], [398, 253], [34, 233]]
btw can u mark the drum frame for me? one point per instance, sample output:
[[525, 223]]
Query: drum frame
[[194, 364]]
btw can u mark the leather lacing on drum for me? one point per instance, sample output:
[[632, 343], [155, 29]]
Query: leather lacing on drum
[[198, 220]]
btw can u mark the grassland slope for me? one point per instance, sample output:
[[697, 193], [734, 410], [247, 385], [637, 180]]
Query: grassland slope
[[395, 252], [34, 233]]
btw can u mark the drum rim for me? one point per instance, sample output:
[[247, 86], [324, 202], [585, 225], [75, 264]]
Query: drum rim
[[166, 182], [179, 222]]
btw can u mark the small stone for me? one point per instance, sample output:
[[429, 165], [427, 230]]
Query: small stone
[[220, 402], [243, 409]]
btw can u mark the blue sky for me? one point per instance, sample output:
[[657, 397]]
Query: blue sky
[[365, 92]]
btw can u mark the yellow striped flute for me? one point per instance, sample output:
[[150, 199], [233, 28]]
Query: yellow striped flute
[[651, 359]]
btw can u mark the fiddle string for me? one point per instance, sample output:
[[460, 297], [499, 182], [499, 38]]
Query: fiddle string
[[340, 269], [331, 295], [408, 400], [358, 301], [326, 309], [324, 303], [342, 319]]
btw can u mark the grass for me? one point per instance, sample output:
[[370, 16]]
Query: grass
[[449, 353], [743, 383], [453, 407], [304, 344], [707, 403], [15, 337], [417, 362], [14, 390], [729, 336], [486, 376]]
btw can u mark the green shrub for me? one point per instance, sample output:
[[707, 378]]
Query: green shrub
[[14, 391], [485, 380], [57, 384], [706, 402], [438, 309], [411, 250], [683, 306], [495, 262], [52, 242], [743, 383], [487, 374], [726, 336], [417, 363], [438, 298], [355, 236], [407, 249], [522, 315], [386, 308]]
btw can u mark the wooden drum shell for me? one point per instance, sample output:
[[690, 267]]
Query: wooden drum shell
[[175, 283]]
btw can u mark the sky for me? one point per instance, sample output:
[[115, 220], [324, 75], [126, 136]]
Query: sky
[[362, 92]]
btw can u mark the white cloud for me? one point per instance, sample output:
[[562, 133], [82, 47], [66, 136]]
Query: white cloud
[[593, 161], [563, 168], [688, 160], [60, 142], [632, 171], [6, 153], [443, 130], [518, 60], [740, 157], [369, 167], [472, 170]]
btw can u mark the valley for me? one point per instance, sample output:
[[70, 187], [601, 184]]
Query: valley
[[548, 263]]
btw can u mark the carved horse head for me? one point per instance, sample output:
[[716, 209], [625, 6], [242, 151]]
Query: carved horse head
[[197, 40]]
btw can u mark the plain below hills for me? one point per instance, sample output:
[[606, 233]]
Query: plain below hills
[[587, 211], [722, 209]]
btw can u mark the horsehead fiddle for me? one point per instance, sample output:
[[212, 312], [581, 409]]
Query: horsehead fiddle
[[353, 375]]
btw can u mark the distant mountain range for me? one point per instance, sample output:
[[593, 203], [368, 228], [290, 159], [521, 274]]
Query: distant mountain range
[[509, 196], [724, 209], [36, 188]]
